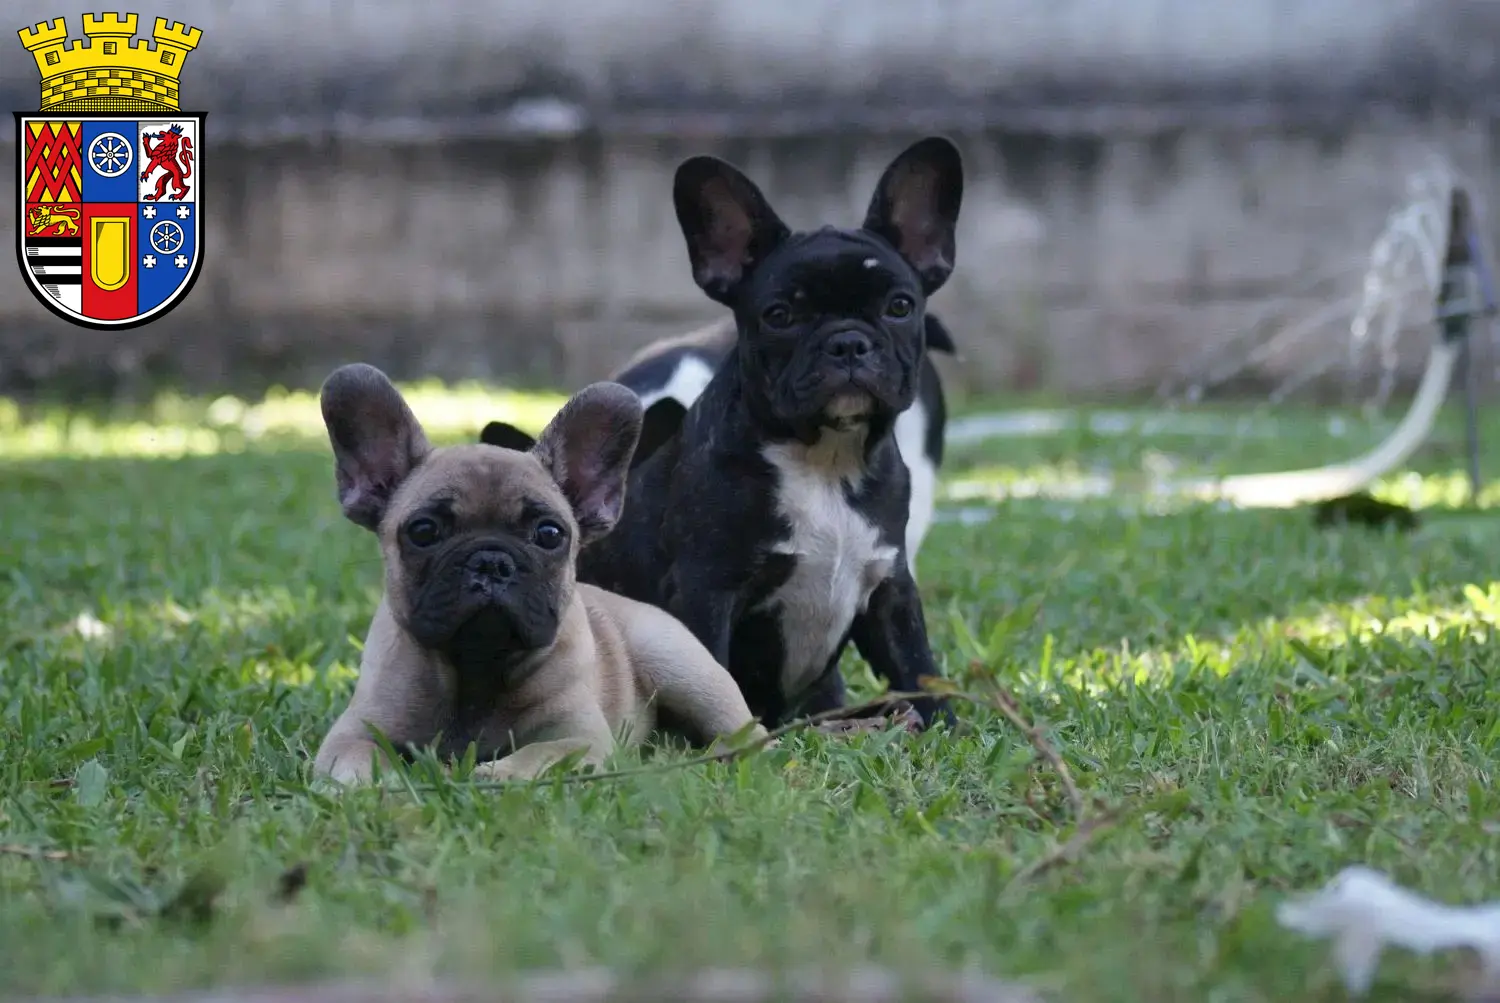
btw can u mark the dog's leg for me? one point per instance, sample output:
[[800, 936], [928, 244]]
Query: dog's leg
[[530, 761], [828, 694], [397, 692], [827, 691], [707, 613], [584, 729], [891, 634], [348, 758], [689, 684]]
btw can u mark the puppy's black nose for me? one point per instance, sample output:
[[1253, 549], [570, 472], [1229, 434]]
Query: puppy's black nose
[[847, 346], [490, 565]]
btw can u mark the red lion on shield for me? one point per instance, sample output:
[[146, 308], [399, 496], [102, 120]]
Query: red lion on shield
[[164, 156]]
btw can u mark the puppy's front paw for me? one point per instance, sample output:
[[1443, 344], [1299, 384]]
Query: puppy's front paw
[[902, 717], [344, 773], [499, 770], [907, 719], [746, 740], [931, 711], [332, 785], [345, 778]]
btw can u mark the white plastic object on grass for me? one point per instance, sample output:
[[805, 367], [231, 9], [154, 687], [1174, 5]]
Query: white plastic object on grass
[[1363, 911], [1287, 488], [1279, 489]]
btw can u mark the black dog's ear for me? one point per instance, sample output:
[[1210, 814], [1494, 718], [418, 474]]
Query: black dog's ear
[[663, 420], [915, 208], [587, 447], [506, 436], [729, 225], [376, 440], [938, 337]]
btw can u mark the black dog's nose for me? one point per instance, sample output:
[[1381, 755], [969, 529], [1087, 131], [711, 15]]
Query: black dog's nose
[[491, 565], [848, 346]]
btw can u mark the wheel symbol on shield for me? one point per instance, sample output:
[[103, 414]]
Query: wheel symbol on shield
[[110, 155], [166, 237]]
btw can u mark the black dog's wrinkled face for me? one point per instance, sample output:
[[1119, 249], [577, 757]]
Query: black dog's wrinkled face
[[830, 321], [480, 541], [831, 330]]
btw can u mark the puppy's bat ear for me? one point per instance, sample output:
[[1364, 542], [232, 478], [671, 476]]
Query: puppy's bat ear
[[587, 447], [729, 225], [939, 338], [662, 421], [506, 436], [376, 440], [915, 208]]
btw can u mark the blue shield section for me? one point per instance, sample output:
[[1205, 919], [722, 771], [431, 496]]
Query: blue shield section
[[168, 245], [111, 155]]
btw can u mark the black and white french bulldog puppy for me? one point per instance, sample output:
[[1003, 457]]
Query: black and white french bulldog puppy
[[670, 373], [773, 523]]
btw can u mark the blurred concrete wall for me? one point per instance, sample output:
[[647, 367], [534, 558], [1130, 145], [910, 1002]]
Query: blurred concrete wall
[[312, 62], [483, 188]]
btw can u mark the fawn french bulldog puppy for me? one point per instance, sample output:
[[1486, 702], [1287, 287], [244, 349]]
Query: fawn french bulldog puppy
[[483, 634]]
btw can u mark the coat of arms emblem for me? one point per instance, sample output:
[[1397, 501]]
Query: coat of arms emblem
[[110, 185]]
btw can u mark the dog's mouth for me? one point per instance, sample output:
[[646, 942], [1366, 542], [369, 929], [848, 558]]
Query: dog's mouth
[[496, 632], [841, 394], [850, 394], [473, 610], [849, 407]]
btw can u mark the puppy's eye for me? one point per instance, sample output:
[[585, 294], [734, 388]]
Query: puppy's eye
[[424, 531], [549, 535], [900, 307], [777, 315]]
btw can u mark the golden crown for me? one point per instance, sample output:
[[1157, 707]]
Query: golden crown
[[109, 73]]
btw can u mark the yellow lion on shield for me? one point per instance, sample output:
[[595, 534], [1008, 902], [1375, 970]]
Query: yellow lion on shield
[[44, 217]]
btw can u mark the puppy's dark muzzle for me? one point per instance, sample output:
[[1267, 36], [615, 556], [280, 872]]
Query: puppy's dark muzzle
[[845, 358], [848, 348], [483, 579], [849, 360], [853, 358], [488, 573]]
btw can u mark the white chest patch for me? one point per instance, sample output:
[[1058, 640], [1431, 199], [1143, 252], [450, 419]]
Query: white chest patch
[[839, 557]]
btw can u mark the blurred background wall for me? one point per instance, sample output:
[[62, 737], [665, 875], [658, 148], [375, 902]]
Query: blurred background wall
[[481, 188]]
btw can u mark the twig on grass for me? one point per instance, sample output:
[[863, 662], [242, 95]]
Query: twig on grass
[[999, 701], [33, 852], [722, 756], [1084, 832], [1005, 704], [1086, 825]]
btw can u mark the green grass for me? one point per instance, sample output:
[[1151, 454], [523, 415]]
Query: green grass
[[1261, 702]]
